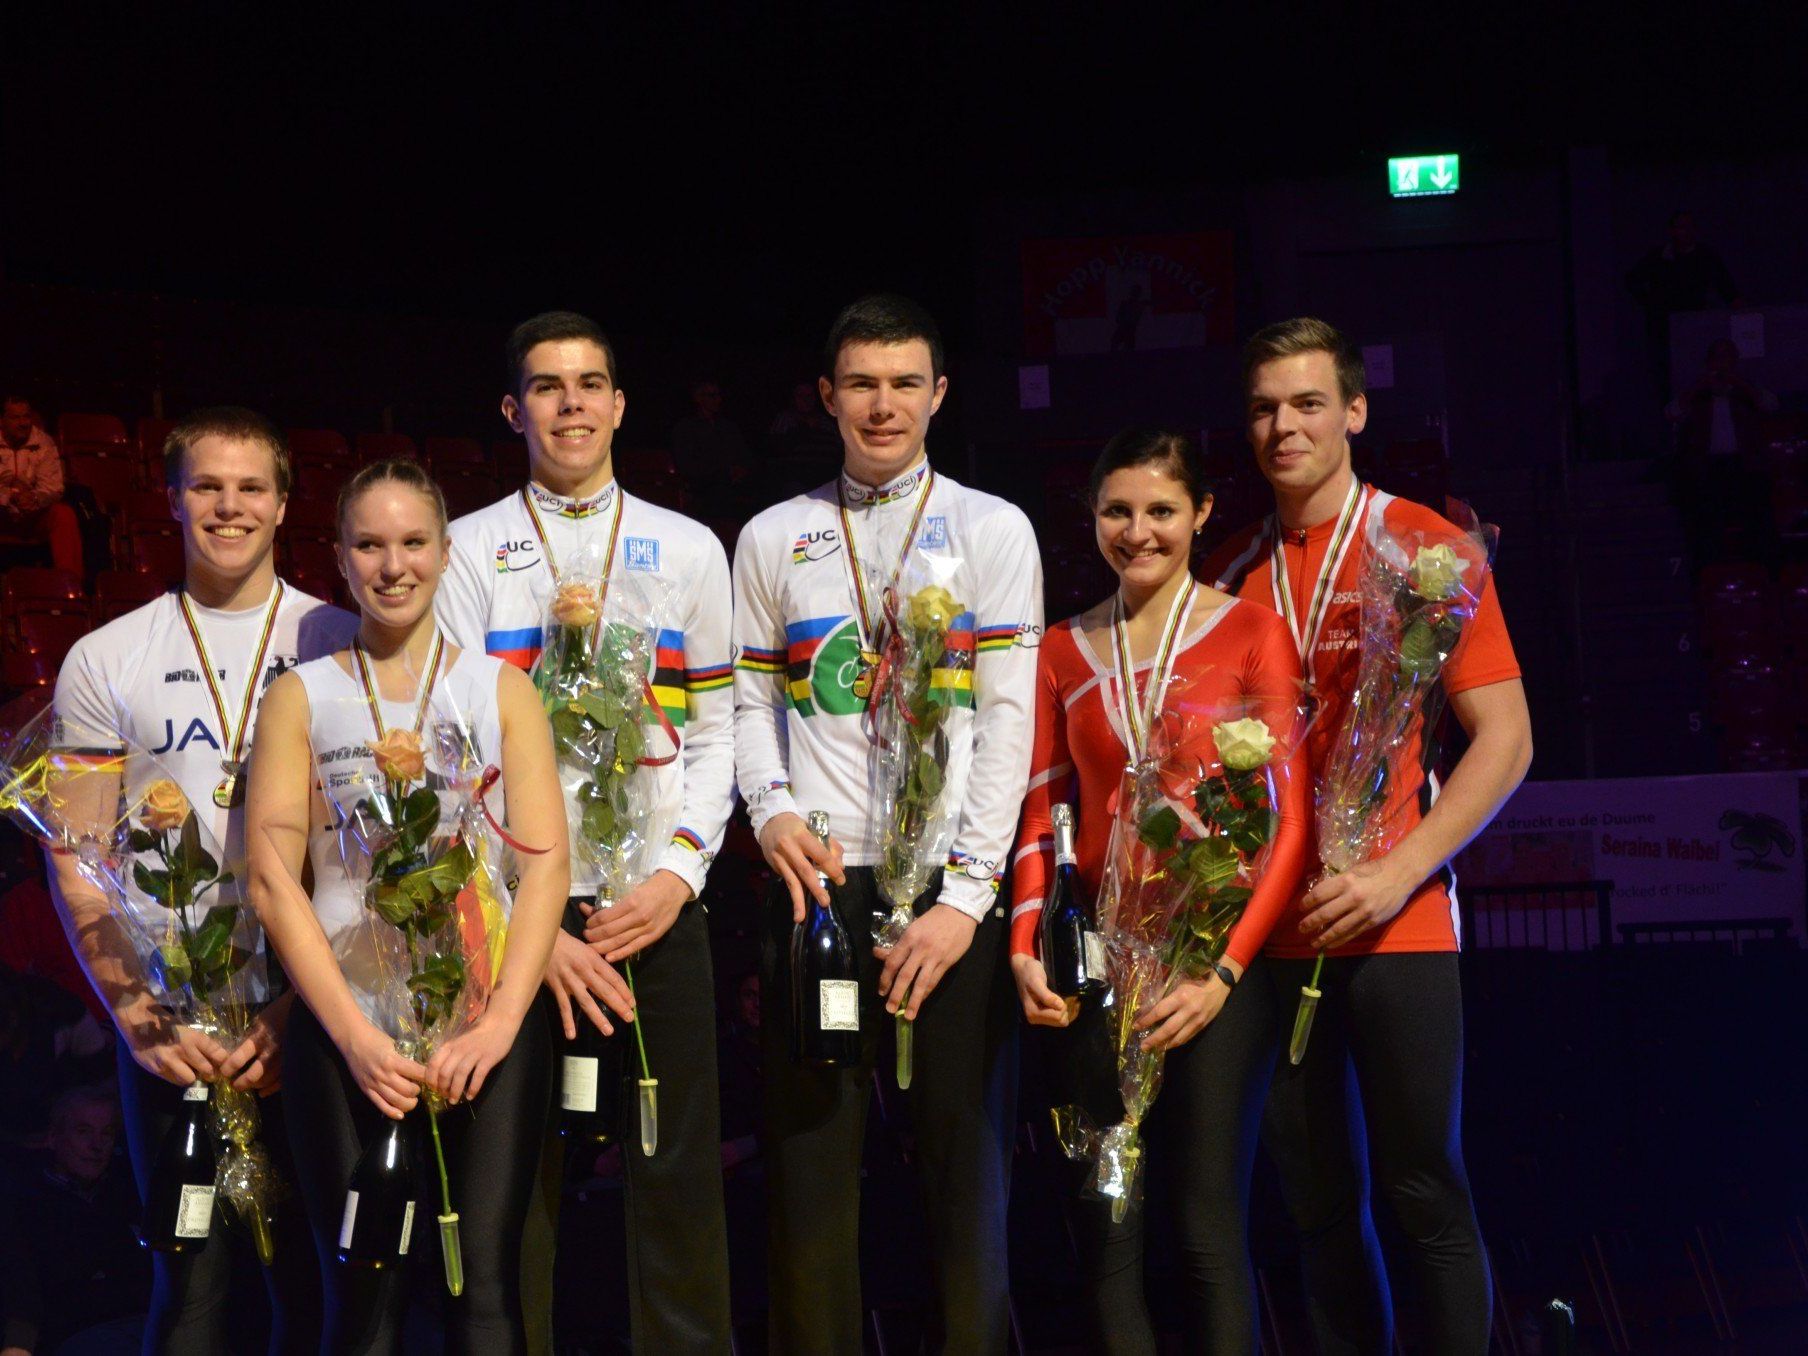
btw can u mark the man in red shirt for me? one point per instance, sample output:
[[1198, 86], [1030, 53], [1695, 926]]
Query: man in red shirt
[[1392, 1007]]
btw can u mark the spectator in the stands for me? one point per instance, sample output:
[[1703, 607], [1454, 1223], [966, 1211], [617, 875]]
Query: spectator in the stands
[[708, 448], [48, 1042], [1718, 440], [75, 1282], [1682, 274], [32, 942], [31, 486], [803, 428]]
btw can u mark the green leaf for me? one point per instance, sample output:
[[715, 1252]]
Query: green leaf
[[156, 884], [393, 904], [1160, 829], [1248, 835], [630, 743], [420, 810], [929, 776], [1210, 862], [171, 963], [143, 840], [1419, 655], [1210, 798]]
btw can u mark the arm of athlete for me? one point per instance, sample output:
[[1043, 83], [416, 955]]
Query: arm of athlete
[[760, 746], [1051, 767], [277, 813], [536, 813], [1008, 575], [1499, 727]]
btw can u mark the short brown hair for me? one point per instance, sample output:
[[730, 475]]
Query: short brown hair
[[225, 421], [1307, 334], [550, 327], [402, 472]]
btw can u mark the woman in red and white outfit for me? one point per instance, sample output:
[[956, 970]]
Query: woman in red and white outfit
[[1221, 1032]]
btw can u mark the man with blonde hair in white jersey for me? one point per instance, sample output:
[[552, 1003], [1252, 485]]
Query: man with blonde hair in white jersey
[[182, 678], [804, 641], [563, 397]]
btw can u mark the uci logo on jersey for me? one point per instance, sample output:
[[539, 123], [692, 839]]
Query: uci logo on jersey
[[641, 553], [818, 545], [935, 533], [506, 553]]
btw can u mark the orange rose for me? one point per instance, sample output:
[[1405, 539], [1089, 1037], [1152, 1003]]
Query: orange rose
[[574, 605], [399, 756], [165, 807]]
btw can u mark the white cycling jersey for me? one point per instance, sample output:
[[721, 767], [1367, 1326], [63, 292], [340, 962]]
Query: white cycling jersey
[[495, 595], [138, 679], [801, 742]]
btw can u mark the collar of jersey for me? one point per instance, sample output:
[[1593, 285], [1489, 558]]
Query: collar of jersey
[[856, 495], [548, 502]]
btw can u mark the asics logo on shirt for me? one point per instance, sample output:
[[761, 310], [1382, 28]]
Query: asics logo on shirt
[[507, 556]]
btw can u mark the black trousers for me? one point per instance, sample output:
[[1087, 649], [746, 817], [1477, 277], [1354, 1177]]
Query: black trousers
[[962, 1104], [190, 1291], [677, 1224], [492, 1148], [1204, 1130], [1383, 1073]]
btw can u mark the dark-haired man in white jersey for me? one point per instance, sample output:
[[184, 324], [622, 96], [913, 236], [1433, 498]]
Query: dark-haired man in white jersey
[[181, 678], [563, 397]]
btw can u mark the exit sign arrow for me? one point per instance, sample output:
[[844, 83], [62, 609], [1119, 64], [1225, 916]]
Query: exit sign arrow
[[1424, 176]]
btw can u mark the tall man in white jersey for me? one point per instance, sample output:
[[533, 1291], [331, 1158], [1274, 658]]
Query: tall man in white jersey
[[801, 744], [564, 398], [182, 678]]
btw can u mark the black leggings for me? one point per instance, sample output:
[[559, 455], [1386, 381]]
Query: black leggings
[[1205, 1124], [1386, 1057], [190, 1291], [492, 1150]]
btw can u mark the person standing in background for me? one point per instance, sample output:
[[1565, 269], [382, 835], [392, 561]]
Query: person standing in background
[[31, 486]]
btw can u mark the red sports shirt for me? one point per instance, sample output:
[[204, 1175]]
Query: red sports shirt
[[1243, 566], [1236, 661]]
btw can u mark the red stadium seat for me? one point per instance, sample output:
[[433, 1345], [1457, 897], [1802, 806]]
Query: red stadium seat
[[32, 589], [117, 592], [147, 508], [453, 452], [318, 445], [21, 670], [151, 435], [668, 490], [645, 462], [467, 489], [309, 513], [382, 446], [314, 558], [156, 553], [103, 476], [98, 435], [51, 635], [329, 587]]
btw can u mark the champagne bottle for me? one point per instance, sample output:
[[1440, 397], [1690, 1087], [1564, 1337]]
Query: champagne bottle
[[178, 1202], [825, 979], [1073, 953], [590, 1073], [378, 1222]]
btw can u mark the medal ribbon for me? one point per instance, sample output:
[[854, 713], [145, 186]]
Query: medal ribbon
[[233, 738], [370, 688], [870, 634], [1139, 715], [1306, 637]]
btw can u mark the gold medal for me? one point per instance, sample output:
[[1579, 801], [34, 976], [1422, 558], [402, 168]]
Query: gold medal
[[863, 680], [872, 632], [230, 792]]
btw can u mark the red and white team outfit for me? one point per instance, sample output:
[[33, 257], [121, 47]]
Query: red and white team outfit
[[1244, 565], [1235, 661]]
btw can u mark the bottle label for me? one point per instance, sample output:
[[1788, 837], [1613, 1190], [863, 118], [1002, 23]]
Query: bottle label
[[407, 1229], [348, 1219], [838, 1004], [195, 1092], [1094, 959], [194, 1212], [577, 1083]]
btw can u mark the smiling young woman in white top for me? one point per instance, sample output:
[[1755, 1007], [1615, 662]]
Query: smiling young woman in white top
[[344, 1069]]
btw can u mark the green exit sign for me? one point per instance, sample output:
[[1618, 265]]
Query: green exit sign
[[1423, 176]]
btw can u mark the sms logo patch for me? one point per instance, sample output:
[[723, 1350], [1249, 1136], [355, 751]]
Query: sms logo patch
[[641, 553]]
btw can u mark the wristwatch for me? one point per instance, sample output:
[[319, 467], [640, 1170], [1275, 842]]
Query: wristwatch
[[1225, 973]]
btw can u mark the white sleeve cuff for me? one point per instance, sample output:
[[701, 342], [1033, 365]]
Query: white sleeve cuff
[[975, 898], [774, 801], [686, 863]]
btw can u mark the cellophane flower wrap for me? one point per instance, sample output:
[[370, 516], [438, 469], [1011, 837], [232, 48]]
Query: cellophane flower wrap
[[177, 917], [1419, 593], [1192, 830], [921, 704], [598, 677], [419, 840], [610, 677]]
